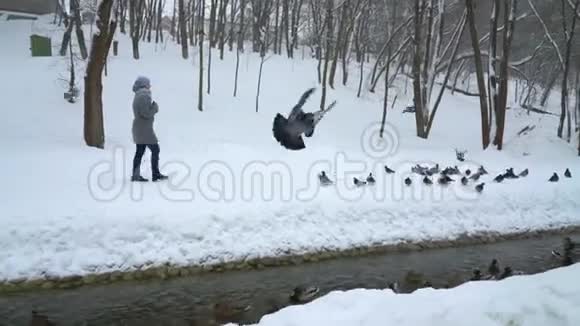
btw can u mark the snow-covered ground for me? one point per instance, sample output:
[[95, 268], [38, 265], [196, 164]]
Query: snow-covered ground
[[551, 298], [234, 192]]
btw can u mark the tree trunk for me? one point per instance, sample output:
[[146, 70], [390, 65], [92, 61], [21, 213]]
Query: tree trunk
[[183, 31], [94, 132], [385, 98], [259, 83], [66, 38], [241, 31], [564, 101], [222, 27], [209, 51], [509, 23], [76, 18], [123, 15], [329, 29], [191, 23], [201, 37], [172, 31], [277, 28], [233, 9], [548, 88], [485, 127], [492, 65], [212, 23], [297, 8], [417, 89], [237, 70], [135, 19], [338, 43], [286, 27]]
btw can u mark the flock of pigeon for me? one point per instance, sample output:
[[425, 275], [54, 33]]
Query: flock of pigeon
[[444, 176]]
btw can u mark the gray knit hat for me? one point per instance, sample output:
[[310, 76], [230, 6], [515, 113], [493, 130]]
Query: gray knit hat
[[141, 82]]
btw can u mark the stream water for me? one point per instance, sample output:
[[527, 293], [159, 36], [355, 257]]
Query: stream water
[[191, 300]]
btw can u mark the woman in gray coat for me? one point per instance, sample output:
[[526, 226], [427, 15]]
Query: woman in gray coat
[[144, 110]]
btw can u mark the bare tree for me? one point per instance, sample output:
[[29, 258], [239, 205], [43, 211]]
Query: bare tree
[[242, 26], [201, 15], [212, 23], [339, 42], [233, 10], [261, 10], [263, 50], [222, 26], [183, 31], [328, 49], [74, 21], [94, 133], [509, 23], [135, 23], [569, 36], [485, 115], [159, 26]]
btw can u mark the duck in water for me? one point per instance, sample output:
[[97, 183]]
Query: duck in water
[[476, 275], [40, 320], [303, 294], [226, 312], [394, 286], [493, 269]]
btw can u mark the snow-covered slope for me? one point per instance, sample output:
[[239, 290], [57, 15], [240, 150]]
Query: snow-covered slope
[[550, 298], [234, 192]]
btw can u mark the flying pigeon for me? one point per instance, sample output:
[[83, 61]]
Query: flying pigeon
[[288, 132]]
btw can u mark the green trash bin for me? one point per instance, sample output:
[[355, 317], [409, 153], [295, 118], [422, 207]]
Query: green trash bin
[[40, 46]]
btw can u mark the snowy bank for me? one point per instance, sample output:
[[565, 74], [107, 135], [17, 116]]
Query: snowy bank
[[551, 298], [234, 193]]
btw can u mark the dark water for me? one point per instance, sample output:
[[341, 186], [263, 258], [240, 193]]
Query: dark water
[[190, 301]]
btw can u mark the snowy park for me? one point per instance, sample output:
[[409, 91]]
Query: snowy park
[[220, 135]]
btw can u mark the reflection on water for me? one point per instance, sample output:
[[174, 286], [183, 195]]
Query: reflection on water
[[245, 296]]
